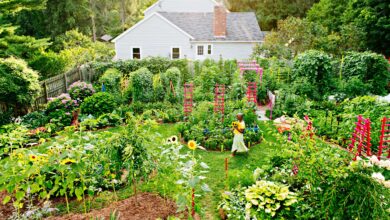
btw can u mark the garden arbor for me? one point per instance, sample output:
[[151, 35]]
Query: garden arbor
[[251, 65]]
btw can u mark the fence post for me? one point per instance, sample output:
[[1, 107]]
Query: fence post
[[46, 93], [66, 82], [80, 75]]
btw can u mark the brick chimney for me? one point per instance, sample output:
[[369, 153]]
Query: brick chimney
[[220, 15]]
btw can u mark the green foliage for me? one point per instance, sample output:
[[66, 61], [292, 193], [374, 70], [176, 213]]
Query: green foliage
[[312, 73], [269, 13], [370, 68], [111, 79], [48, 64], [363, 21], [142, 84], [35, 119], [20, 85], [80, 91], [98, 104]]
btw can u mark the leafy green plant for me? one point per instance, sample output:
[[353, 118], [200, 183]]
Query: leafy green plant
[[142, 84], [111, 79], [313, 68], [98, 104], [19, 83]]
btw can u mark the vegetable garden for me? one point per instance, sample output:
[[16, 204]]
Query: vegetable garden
[[151, 133]]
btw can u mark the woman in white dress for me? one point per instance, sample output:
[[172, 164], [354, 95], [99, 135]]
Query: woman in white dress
[[238, 141]]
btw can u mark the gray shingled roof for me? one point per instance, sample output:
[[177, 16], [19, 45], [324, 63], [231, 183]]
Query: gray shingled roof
[[241, 26]]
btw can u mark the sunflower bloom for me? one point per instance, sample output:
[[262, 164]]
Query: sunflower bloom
[[192, 145], [33, 157], [174, 139], [67, 161]]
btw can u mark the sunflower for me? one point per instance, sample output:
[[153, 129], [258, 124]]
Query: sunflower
[[67, 161], [192, 145], [174, 139], [169, 141], [33, 157], [235, 124]]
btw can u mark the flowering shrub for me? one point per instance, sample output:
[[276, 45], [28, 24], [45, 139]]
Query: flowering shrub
[[80, 90], [60, 110]]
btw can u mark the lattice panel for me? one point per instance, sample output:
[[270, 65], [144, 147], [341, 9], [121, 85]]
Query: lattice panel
[[188, 98], [251, 92], [219, 99], [361, 137], [384, 141]]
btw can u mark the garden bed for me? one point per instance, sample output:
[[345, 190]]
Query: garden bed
[[144, 206]]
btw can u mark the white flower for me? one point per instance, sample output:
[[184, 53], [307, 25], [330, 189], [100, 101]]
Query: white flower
[[374, 160], [367, 164], [384, 164], [378, 177], [387, 183]]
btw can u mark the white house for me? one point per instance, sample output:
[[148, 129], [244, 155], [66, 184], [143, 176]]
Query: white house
[[181, 6], [182, 31]]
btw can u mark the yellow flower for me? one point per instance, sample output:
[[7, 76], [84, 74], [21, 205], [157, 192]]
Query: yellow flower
[[192, 145], [113, 176], [67, 161], [235, 124], [33, 157]]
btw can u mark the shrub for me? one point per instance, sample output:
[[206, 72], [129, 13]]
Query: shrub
[[19, 84], [370, 68], [315, 69], [98, 104], [48, 64], [63, 101], [60, 110], [80, 90], [111, 79], [142, 85], [35, 119]]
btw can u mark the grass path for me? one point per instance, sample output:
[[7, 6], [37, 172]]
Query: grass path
[[240, 168]]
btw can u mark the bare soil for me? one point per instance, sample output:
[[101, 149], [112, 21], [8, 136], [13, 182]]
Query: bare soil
[[146, 206], [5, 210]]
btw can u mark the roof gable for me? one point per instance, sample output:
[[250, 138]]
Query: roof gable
[[241, 26], [146, 19], [163, 3]]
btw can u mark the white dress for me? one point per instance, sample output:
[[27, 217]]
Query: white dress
[[238, 141]]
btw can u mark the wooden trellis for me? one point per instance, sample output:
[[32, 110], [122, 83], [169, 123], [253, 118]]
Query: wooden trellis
[[251, 92], [188, 98], [384, 141], [250, 65], [219, 99], [361, 137]]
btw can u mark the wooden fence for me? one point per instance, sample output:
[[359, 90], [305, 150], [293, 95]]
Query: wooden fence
[[59, 84]]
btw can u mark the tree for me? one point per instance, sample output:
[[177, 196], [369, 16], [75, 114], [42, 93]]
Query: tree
[[19, 83], [270, 12], [364, 24]]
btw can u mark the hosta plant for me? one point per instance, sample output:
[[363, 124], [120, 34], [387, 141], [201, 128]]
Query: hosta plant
[[267, 198]]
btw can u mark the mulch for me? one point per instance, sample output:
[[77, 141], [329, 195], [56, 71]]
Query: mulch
[[146, 206], [5, 210]]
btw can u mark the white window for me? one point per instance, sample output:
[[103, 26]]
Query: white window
[[136, 53], [200, 50], [175, 53], [209, 49]]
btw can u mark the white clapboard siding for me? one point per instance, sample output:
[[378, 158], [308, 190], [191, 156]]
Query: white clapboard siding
[[156, 37], [227, 50], [181, 6]]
